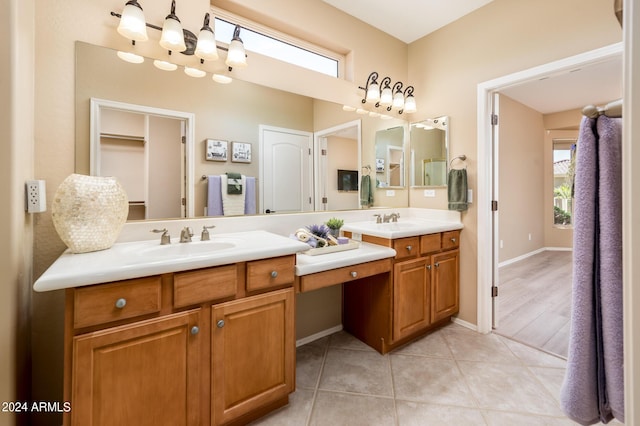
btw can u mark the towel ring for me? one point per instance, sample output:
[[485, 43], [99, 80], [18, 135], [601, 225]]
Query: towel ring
[[459, 157], [366, 170]]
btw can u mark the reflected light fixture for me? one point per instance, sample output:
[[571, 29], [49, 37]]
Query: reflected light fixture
[[409, 100], [206, 48], [172, 33], [236, 57], [194, 72], [388, 97], [132, 24], [164, 65], [130, 57], [221, 78]]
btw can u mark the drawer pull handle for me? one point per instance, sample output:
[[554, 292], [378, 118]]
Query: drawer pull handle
[[220, 323], [195, 330], [409, 248], [121, 303], [453, 240], [437, 264], [274, 274], [354, 274], [429, 267]]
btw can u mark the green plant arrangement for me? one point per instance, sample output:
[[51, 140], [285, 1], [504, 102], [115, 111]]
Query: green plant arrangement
[[334, 224]]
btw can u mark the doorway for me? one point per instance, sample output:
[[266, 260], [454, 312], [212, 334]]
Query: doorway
[[488, 166]]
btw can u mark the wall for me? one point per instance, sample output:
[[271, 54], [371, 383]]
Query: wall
[[501, 38], [521, 179], [16, 227], [343, 155]]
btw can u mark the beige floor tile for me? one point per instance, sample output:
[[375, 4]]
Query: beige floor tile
[[509, 388], [433, 345], [344, 340], [472, 346], [339, 409], [309, 360], [431, 380], [499, 418], [294, 414], [533, 357], [421, 414], [356, 371]]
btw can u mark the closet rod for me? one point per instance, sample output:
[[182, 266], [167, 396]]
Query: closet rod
[[612, 109]]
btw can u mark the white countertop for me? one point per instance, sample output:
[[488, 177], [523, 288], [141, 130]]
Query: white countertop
[[143, 258], [402, 228], [306, 264]]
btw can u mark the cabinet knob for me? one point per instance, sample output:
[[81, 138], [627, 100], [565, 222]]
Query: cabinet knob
[[453, 240], [220, 323], [354, 274], [195, 330], [274, 274], [429, 267], [409, 248], [437, 264], [121, 303]]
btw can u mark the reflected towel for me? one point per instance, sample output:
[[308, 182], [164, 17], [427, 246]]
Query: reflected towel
[[232, 204], [234, 183], [366, 194], [457, 189], [250, 195], [214, 196]]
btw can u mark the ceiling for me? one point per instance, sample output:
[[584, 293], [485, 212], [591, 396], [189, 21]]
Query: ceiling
[[595, 84]]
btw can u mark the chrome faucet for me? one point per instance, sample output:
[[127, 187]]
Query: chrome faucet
[[378, 218], [205, 233], [186, 234], [393, 217], [165, 238]]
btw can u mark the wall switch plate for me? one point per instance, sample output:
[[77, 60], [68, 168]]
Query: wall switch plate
[[430, 193], [469, 195], [35, 196], [391, 193]]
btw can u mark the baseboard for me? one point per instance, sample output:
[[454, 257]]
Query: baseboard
[[464, 323], [532, 253], [318, 335]]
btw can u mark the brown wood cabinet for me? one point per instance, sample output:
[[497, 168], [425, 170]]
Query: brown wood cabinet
[[423, 292], [210, 346]]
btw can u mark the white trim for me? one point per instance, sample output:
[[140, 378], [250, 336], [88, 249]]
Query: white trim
[[464, 323], [319, 335], [485, 90], [190, 136]]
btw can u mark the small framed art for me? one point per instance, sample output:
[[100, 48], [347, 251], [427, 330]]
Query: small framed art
[[216, 150], [240, 152]]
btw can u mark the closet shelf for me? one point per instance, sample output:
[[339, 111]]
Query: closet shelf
[[123, 137]]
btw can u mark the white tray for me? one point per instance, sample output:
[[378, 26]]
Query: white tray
[[333, 249]]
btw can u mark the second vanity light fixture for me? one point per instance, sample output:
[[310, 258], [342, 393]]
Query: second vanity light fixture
[[390, 97], [175, 38]]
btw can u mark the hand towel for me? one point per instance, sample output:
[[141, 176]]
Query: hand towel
[[234, 183], [232, 204], [214, 196], [250, 195], [366, 194], [457, 189]]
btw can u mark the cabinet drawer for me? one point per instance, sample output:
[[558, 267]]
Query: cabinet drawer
[[429, 243], [268, 273], [111, 302], [406, 247], [343, 275], [204, 285], [450, 240]]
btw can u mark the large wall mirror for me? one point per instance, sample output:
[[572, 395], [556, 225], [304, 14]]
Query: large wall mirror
[[229, 124], [390, 157], [429, 142]]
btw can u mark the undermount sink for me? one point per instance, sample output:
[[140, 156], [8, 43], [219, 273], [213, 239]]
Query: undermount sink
[[401, 228], [186, 249]]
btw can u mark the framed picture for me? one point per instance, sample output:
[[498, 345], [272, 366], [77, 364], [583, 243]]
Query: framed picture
[[217, 150], [379, 165], [240, 152]]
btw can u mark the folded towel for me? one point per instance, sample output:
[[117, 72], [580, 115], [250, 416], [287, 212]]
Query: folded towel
[[366, 194], [214, 196], [234, 183], [232, 204], [457, 189], [250, 195]]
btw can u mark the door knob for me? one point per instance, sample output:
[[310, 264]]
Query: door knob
[[195, 330], [220, 323], [274, 274]]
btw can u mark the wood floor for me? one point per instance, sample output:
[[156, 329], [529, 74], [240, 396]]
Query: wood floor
[[534, 301]]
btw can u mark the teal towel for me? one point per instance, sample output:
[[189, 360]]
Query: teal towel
[[366, 194], [457, 189], [234, 183]]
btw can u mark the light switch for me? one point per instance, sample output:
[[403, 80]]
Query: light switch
[[469, 195], [391, 193], [429, 192]]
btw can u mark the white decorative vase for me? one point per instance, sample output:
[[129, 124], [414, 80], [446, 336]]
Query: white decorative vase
[[88, 212]]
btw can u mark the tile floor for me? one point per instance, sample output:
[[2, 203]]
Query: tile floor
[[453, 376]]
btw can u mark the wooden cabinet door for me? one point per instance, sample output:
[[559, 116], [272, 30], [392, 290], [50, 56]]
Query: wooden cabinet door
[[253, 353], [147, 373], [445, 296], [411, 294]]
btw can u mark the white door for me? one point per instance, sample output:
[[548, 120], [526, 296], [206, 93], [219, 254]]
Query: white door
[[286, 170]]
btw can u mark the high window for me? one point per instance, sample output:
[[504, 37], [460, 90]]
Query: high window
[[564, 151]]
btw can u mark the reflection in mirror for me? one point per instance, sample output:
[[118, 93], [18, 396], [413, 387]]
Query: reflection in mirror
[[231, 113], [390, 158], [429, 152]]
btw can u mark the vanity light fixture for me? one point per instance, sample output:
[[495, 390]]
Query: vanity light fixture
[[236, 56], [206, 48], [132, 24], [172, 37], [391, 98]]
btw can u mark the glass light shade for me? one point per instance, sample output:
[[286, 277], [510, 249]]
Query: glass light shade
[[348, 108], [130, 57], [362, 111], [164, 65], [410, 104], [206, 48], [374, 114], [194, 72], [398, 100], [221, 78], [386, 97], [236, 57], [132, 24], [373, 93], [172, 35]]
